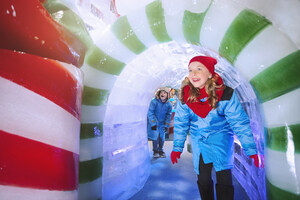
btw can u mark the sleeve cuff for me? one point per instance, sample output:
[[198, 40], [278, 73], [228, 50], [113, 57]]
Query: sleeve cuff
[[178, 149], [251, 152]]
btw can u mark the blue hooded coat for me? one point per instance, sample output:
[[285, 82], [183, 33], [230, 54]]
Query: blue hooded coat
[[212, 136], [159, 115]]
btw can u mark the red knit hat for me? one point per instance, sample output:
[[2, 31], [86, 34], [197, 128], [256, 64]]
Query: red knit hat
[[208, 62]]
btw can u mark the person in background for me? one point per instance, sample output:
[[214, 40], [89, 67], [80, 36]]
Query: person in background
[[212, 113], [159, 117], [173, 100]]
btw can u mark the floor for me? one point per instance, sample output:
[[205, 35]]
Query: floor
[[175, 182]]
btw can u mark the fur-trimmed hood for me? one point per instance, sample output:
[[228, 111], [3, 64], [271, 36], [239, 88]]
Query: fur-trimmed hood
[[166, 89]]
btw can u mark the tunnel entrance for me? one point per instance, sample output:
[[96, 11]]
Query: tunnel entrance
[[126, 116]]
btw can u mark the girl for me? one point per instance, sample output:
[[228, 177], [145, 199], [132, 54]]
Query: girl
[[211, 112], [159, 117]]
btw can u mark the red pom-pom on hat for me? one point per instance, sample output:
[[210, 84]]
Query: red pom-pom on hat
[[207, 61]]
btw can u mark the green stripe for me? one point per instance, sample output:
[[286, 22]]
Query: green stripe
[[75, 24], [54, 6], [191, 24], [277, 138], [97, 59], [275, 193], [90, 170], [125, 34], [279, 78], [69, 20], [156, 20], [91, 130], [94, 96], [241, 31]]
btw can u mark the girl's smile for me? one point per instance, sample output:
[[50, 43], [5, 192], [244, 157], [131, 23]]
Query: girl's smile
[[198, 74]]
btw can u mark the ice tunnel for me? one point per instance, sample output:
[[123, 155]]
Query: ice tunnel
[[122, 69]]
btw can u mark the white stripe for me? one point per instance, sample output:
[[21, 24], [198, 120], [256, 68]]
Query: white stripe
[[139, 23], [263, 51], [98, 79], [91, 190], [92, 114], [76, 72], [27, 114], [91, 148], [111, 45], [283, 110], [174, 26], [280, 172], [216, 22], [16, 193]]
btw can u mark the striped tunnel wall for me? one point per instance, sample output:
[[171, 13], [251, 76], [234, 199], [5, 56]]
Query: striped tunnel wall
[[245, 38]]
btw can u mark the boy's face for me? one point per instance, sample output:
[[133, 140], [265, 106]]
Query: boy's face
[[163, 95], [198, 74]]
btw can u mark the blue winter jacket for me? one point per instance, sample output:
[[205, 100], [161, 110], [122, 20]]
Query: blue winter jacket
[[159, 115], [212, 136]]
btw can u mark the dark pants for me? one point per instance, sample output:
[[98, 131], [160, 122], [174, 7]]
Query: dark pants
[[224, 188], [158, 144]]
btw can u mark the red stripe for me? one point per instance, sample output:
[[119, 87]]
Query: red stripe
[[45, 77], [27, 26], [28, 163]]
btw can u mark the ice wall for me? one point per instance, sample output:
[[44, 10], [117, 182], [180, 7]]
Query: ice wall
[[227, 29]]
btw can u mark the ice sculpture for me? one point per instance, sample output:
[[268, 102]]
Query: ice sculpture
[[40, 108], [40, 104]]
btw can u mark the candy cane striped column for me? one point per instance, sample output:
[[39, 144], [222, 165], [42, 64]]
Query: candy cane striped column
[[40, 110]]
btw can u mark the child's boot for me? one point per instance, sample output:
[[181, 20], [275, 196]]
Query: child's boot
[[206, 191], [224, 192], [162, 154], [155, 154]]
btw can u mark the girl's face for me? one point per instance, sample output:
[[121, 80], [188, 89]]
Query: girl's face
[[163, 95], [198, 74]]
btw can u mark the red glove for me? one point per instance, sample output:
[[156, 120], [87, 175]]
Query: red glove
[[174, 156], [256, 160]]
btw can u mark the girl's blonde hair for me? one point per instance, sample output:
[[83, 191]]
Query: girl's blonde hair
[[210, 87]]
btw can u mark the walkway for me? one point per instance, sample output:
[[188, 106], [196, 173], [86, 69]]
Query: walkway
[[175, 182]]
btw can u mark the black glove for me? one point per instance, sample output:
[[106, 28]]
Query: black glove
[[166, 129], [153, 128]]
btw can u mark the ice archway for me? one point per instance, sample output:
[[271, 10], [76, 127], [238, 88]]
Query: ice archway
[[225, 29]]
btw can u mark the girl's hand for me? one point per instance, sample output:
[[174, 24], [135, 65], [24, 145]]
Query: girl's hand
[[258, 161], [174, 156]]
